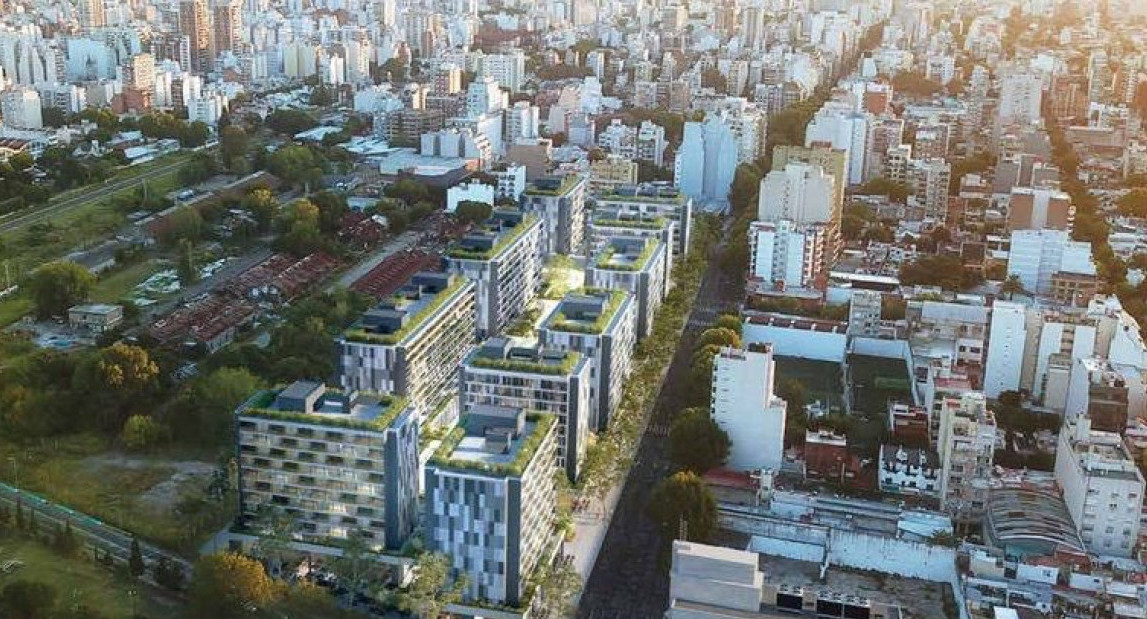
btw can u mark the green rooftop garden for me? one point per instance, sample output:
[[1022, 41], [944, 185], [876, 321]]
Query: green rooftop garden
[[647, 224], [559, 321], [612, 194], [568, 183], [507, 238], [392, 406], [358, 334], [530, 444], [567, 364], [605, 260]]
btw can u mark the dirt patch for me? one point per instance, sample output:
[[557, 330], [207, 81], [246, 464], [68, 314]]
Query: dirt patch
[[162, 496]]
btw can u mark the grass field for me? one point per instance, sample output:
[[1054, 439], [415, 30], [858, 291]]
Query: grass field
[[875, 381], [78, 581], [14, 308], [82, 472], [116, 285], [821, 379]]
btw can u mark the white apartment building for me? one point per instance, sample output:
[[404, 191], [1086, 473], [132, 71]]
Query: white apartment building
[[802, 193], [560, 202], [928, 181], [469, 191], [522, 121], [503, 258], [508, 69], [336, 463], [967, 447], [845, 129], [1006, 345], [707, 161], [787, 255], [744, 405], [510, 181], [411, 343], [1037, 255], [601, 325], [490, 501], [557, 382], [1021, 95], [20, 108], [638, 266], [1102, 487]]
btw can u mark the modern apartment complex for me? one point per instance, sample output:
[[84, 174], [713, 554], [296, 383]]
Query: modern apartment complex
[[560, 202], [336, 463], [607, 225], [651, 202], [503, 258], [637, 266], [490, 500], [1102, 487], [602, 325], [411, 344], [556, 382]]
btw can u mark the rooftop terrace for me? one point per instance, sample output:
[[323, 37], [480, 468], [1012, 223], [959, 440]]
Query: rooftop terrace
[[626, 254], [314, 403], [493, 236], [396, 317], [500, 354], [588, 311], [492, 439]]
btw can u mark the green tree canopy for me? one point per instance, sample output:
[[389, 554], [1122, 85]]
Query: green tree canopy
[[473, 212], [432, 588], [684, 501], [56, 286], [696, 442], [233, 145], [25, 599], [229, 585]]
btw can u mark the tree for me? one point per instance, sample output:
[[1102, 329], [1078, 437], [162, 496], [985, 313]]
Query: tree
[[233, 145], [730, 322], [322, 96], [56, 286], [185, 265], [916, 84], [696, 442], [202, 411], [472, 212], [194, 134], [183, 224], [719, 336], [263, 206], [701, 366], [117, 381], [944, 270], [408, 190], [290, 122], [557, 587], [1011, 286], [431, 590], [66, 542], [229, 585], [25, 599], [683, 504], [141, 433], [713, 78], [896, 192], [297, 165], [135, 565], [301, 221], [1133, 203], [168, 574]]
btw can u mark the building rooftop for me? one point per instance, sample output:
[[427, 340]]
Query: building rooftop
[[589, 311], [1098, 453], [497, 440], [492, 237], [626, 254], [553, 185], [644, 192], [1031, 520], [314, 403], [500, 353], [396, 317]]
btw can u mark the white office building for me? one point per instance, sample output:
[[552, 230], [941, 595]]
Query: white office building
[[746, 408], [1037, 255]]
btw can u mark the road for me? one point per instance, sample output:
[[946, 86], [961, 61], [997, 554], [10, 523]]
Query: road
[[630, 579], [59, 207], [94, 532]]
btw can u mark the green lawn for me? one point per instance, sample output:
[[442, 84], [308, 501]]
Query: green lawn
[[875, 381], [821, 379], [63, 470], [79, 581], [118, 284], [14, 308]]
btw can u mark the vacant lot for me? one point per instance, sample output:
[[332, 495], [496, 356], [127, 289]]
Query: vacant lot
[[821, 380], [875, 381], [138, 494], [78, 581]]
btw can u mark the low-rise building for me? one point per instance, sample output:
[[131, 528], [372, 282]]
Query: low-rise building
[[502, 256], [602, 325], [335, 463], [556, 382], [490, 502], [637, 266], [909, 470], [411, 343], [96, 317]]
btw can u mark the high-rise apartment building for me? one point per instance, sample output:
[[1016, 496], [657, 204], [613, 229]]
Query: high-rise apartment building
[[490, 502], [966, 444], [560, 202], [195, 24], [503, 258], [802, 193], [745, 406], [639, 266], [650, 204], [411, 343], [336, 463], [1036, 255], [601, 325], [228, 22], [20, 108], [707, 161], [502, 373], [91, 13], [786, 255]]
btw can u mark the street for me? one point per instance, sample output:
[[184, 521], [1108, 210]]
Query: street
[[630, 579]]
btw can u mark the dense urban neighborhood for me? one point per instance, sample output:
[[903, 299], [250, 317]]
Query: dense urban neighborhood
[[535, 310]]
